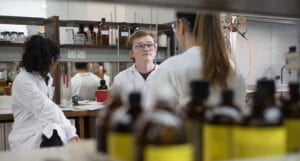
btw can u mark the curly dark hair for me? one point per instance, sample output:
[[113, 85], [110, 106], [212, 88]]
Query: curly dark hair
[[38, 52]]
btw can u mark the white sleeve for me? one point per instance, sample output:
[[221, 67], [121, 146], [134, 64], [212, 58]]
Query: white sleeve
[[163, 79], [43, 108], [75, 85], [119, 82]]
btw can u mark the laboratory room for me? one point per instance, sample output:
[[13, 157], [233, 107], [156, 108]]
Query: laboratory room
[[130, 80]]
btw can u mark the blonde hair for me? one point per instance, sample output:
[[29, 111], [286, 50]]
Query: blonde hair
[[137, 34], [209, 35]]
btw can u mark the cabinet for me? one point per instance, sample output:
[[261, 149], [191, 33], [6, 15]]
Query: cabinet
[[2, 138]]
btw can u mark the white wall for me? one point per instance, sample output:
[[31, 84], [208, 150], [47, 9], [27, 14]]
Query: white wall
[[269, 42], [25, 8]]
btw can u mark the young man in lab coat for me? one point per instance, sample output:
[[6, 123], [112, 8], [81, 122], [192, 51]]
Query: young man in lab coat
[[138, 77]]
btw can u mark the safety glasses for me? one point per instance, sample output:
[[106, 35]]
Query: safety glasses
[[142, 47]]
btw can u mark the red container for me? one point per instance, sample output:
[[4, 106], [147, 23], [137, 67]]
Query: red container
[[102, 95]]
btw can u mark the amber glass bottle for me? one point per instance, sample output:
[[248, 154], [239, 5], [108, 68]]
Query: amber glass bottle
[[291, 108], [124, 34], [161, 136], [218, 129], [104, 118], [103, 33], [262, 132], [121, 135], [195, 112]]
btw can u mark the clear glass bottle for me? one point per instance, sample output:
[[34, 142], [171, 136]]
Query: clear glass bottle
[[103, 33], [194, 113], [13, 37], [220, 122], [291, 107], [81, 36], [121, 135], [104, 118], [261, 133], [91, 36]]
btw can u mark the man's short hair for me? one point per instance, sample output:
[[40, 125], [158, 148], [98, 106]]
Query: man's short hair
[[81, 65], [138, 34]]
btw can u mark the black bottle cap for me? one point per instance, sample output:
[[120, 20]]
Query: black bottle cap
[[292, 49], [199, 89], [266, 85], [102, 82], [81, 26], [91, 27], [227, 95], [135, 98], [102, 20]]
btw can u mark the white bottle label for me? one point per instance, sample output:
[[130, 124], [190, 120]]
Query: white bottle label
[[124, 34], [104, 32]]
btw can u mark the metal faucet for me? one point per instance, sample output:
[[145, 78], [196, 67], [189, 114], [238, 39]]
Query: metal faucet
[[281, 73]]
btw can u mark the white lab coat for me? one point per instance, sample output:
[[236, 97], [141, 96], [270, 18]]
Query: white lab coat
[[177, 72], [85, 85], [131, 80], [35, 113]]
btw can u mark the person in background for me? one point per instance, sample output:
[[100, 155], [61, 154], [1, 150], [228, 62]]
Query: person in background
[[101, 72], [142, 49], [38, 121], [84, 83], [205, 57]]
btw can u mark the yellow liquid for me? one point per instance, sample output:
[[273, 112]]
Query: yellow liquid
[[182, 152], [259, 141], [120, 145], [292, 127]]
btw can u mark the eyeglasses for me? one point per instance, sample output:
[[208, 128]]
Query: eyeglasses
[[174, 24], [142, 47]]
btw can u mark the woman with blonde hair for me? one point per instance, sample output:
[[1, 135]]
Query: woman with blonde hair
[[205, 57]]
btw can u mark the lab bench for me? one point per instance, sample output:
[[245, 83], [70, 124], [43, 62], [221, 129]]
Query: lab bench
[[83, 119]]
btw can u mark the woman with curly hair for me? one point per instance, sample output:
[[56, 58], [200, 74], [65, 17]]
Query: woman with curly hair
[[38, 121]]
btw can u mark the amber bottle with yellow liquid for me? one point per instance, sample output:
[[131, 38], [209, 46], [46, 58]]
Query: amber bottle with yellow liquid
[[194, 116], [104, 118], [121, 135], [160, 134], [220, 122], [291, 107], [262, 132]]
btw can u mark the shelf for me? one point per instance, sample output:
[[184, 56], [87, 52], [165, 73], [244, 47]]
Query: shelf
[[87, 46], [282, 8], [22, 20], [76, 23], [98, 47], [9, 44]]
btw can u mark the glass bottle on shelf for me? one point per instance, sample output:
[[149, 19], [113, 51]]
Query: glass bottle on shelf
[[194, 116], [103, 33], [6, 36], [13, 37], [104, 118], [121, 135], [261, 133], [134, 28], [160, 134], [81, 36], [220, 122], [124, 34], [91, 36], [21, 37], [291, 107]]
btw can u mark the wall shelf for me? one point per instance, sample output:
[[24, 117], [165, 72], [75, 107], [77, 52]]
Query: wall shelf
[[9, 44]]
